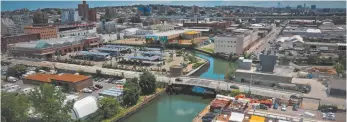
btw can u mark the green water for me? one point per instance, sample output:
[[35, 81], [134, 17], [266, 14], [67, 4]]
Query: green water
[[175, 108], [182, 108], [218, 67]]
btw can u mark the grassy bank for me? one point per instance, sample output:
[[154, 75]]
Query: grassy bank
[[142, 101]]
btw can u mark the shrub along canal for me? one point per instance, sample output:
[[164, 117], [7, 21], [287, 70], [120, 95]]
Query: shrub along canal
[[182, 108]]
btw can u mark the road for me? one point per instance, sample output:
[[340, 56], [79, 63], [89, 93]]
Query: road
[[263, 43], [249, 17], [186, 80]]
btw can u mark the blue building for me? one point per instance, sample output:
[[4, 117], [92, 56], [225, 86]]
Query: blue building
[[144, 10], [69, 16]]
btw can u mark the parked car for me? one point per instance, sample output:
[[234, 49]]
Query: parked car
[[99, 86], [283, 108], [92, 88], [178, 80], [262, 106], [87, 90], [234, 87], [329, 116], [275, 106], [101, 80], [295, 107]]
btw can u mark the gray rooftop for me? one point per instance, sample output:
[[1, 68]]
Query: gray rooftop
[[338, 84], [321, 44]]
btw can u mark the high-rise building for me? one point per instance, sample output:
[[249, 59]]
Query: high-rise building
[[313, 6], [7, 27], [144, 10], [83, 10], [92, 15], [110, 12], [163, 9], [195, 9], [40, 18], [69, 16], [20, 21]]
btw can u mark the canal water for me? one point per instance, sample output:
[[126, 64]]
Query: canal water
[[182, 108], [174, 108]]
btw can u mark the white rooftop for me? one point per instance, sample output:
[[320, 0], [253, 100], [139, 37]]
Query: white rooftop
[[84, 107], [313, 30], [169, 33]]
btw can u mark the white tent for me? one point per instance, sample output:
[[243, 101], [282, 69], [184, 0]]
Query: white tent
[[236, 117], [84, 107]]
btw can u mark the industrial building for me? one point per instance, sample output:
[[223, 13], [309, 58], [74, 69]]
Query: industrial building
[[239, 41], [72, 82], [337, 87], [295, 41], [76, 32], [5, 40], [50, 47], [164, 37]]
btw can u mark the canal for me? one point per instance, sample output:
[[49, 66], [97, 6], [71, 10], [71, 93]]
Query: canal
[[182, 108]]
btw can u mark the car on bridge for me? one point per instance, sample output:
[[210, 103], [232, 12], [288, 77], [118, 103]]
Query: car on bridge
[[178, 80]]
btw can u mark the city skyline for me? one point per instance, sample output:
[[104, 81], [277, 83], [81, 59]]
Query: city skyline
[[33, 5]]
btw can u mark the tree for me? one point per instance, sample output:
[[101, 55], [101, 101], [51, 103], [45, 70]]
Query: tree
[[14, 107], [108, 108], [98, 73], [131, 92], [49, 104], [235, 92], [16, 70], [147, 83]]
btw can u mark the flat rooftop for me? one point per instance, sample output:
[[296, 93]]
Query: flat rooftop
[[279, 70], [168, 33]]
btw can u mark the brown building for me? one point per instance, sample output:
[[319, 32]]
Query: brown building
[[45, 32], [5, 40], [219, 25], [72, 82], [92, 15], [40, 18], [83, 10]]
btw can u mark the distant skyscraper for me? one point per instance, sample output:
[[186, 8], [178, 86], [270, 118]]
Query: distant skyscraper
[[7, 27], [92, 15], [83, 10], [144, 10], [195, 9], [163, 9], [313, 6], [40, 18], [70, 16], [110, 12]]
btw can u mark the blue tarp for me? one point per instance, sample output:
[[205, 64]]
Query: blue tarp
[[198, 89], [93, 53], [115, 92]]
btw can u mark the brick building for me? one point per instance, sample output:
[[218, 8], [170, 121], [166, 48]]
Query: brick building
[[71, 82], [45, 32], [218, 25], [92, 15], [5, 40]]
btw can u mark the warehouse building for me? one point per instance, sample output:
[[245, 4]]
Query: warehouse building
[[72, 82], [239, 41]]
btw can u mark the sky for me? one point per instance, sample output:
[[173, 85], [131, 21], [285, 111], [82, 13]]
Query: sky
[[33, 5]]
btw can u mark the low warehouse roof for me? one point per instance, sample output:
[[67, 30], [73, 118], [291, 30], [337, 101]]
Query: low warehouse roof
[[61, 77]]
